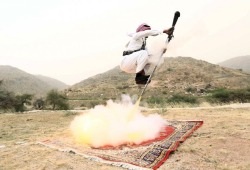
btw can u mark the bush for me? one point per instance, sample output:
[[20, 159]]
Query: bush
[[155, 100], [219, 95], [57, 100], [177, 98], [227, 96], [7, 100], [39, 104], [69, 113], [190, 90], [170, 69], [10, 101], [21, 100], [90, 103]]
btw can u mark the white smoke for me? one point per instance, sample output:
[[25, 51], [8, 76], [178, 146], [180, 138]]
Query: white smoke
[[116, 123]]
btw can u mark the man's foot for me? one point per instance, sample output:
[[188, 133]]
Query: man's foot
[[141, 79], [142, 82]]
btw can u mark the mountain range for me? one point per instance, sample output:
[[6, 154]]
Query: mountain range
[[175, 75], [20, 82], [241, 63]]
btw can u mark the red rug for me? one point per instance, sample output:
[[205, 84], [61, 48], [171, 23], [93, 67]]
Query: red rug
[[148, 155]]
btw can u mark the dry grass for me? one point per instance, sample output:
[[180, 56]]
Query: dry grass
[[223, 142]]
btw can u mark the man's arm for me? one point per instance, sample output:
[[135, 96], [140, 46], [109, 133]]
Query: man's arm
[[147, 33]]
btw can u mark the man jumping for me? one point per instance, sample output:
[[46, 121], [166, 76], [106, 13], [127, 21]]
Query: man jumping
[[136, 57]]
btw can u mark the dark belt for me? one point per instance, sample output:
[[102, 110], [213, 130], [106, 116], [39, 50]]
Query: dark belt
[[129, 52]]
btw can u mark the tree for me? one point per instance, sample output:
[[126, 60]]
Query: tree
[[39, 104], [57, 100], [7, 100], [21, 100]]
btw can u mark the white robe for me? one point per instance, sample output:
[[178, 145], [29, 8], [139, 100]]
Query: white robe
[[139, 60]]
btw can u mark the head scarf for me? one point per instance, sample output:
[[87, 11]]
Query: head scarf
[[143, 27]]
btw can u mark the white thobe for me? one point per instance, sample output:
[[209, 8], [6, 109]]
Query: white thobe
[[137, 61]]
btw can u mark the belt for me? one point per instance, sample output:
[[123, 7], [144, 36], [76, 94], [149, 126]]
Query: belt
[[129, 52]]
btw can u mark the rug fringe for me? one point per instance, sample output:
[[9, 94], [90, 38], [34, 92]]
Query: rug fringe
[[95, 158]]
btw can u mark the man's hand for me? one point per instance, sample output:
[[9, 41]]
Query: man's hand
[[169, 31]]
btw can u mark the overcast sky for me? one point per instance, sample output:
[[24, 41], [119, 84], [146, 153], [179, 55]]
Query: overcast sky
[[71, 40]]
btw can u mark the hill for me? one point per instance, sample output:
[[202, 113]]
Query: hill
[[53, 82], [175, 75], [241, 63], [20, 82]]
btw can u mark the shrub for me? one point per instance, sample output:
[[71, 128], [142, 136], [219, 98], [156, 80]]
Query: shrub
[[155, 100], [7, 100], [219, 95], [39, 104], [190, 90], [57, 100], [164, 92], [170, 69], [69, 113], [94, 103], [21, 100], [226, 96], [177, 98]]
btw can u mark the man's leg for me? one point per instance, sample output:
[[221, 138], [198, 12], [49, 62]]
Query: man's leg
[[141, 78], [142, 64]]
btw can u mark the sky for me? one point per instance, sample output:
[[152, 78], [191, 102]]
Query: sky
[[71, 40]]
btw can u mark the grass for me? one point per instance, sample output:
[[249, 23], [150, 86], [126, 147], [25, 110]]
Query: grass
[[210, 147], [229, 95], [164, 98], [69, 113], [178, 98]]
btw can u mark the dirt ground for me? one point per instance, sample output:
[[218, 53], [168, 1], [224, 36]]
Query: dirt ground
[[222, 142]]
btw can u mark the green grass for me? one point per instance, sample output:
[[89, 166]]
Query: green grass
[[229, 95], [178, 98]]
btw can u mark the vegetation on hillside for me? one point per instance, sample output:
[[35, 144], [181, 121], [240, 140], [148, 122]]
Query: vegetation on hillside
[[180, 80], [10, 101], [229, 95], [214, 97]]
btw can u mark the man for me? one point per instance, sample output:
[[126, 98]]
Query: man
[[136, 57]]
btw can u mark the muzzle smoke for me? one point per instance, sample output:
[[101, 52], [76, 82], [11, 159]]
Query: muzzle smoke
[[115, 124]]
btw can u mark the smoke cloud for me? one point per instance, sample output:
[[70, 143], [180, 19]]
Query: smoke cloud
[[116, 123]]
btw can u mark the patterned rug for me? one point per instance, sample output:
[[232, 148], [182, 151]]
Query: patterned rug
[[148, 155]]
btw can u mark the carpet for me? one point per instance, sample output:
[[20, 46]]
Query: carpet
[[148, 155]]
